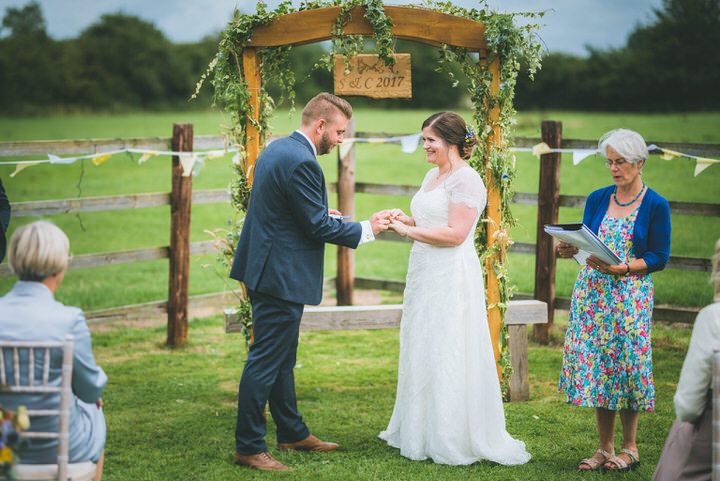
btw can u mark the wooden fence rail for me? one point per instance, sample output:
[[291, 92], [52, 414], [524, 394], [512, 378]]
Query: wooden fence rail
[[132, 201]]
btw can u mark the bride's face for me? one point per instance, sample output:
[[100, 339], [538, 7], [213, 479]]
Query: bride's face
[[436, 150]]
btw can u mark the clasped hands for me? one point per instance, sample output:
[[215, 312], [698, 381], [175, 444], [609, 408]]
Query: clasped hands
[[388, 219]]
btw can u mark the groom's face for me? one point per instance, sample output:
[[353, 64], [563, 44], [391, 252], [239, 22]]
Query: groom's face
[[332, 134]]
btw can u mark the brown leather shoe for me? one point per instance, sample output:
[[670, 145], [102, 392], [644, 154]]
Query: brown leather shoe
[[310, 443], [262, 461]]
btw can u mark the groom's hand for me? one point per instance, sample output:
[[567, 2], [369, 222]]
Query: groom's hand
[[379, 221], [399, 216]]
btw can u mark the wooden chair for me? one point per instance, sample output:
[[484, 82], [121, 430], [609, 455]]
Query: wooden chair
[[63, 470]]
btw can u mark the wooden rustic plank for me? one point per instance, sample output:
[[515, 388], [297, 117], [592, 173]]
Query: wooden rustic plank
[[368, 76], [411, 23], [321, 318], [158, 308], [86, 261], [92, 146], [111, 202], [520, 379]]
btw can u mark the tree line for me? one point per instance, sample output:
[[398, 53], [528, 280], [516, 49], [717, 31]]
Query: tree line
[[122, 62]]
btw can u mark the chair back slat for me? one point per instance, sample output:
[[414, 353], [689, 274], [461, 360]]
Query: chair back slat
[[31, 366], [716, 417], [16, 364], [3, 381], [46, 367]]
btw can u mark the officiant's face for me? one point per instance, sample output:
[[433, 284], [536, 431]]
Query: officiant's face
[[332, 134], [436, 150]]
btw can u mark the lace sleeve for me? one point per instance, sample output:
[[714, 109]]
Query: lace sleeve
[[467, 186]]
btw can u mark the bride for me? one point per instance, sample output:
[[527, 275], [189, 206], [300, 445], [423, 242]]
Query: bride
[[448, 405]]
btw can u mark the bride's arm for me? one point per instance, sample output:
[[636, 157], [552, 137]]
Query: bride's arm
[[461, 218]]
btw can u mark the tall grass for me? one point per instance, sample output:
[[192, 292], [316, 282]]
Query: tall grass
[[128, 229]]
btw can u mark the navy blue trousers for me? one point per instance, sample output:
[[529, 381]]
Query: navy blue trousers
[[268, 376]]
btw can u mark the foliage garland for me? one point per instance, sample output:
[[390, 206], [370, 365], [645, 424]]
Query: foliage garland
[[511, 44]]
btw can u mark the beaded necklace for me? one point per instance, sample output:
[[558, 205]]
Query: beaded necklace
[[636, 197]]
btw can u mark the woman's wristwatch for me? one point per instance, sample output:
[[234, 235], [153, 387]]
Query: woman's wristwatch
[[627, 272]]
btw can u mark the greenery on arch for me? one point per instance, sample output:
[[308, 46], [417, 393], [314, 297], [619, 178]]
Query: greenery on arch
[[508, 43]]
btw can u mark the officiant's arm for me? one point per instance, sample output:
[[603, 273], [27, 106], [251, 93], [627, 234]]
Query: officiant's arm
[[461, 218]]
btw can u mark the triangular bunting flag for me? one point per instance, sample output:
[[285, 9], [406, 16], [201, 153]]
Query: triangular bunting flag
[[540, 149], [20, 167], [410, 143], [187, 161], [345, 147], [703, 164], [579, 155]]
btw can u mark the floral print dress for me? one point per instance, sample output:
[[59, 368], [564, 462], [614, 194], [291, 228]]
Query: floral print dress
[[607, 359]]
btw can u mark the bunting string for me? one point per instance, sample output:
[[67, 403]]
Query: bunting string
[[192, 162]]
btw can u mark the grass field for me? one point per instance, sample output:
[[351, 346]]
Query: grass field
[[171, 414], [128, 229]]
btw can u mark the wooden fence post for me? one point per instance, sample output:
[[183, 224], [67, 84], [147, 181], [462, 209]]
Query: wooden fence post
[[548, 207], [345, 280], [180, 203]]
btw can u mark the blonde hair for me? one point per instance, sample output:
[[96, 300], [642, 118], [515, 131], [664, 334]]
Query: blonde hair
[[325, 106], [38, 250], [715, 276]]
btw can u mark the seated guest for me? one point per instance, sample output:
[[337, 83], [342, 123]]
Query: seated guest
[[4, 219], [687, 454], [38, 254]]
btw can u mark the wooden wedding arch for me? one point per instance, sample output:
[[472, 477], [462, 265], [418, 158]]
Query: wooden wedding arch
[[410, 23]]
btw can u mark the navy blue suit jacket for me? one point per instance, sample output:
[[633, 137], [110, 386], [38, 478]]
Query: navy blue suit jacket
[[4, 220], [281, 250]]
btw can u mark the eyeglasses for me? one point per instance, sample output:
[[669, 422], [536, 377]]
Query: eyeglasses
[[618, 162]]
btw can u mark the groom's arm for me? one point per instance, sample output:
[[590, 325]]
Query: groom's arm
[[305, 195]]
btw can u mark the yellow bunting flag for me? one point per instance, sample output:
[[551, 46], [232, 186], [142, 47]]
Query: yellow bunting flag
[[20, 167], [668, 154], [145, 156], [99, 159], [540, 149]]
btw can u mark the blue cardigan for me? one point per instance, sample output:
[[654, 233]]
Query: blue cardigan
[[651, 235]]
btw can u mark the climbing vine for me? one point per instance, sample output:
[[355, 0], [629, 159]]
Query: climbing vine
[[506, 42]]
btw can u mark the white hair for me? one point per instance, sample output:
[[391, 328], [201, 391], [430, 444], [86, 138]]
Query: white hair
[[628, 143], [38, 250]]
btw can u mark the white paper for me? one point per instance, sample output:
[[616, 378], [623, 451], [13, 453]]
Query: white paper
[[588, 244]]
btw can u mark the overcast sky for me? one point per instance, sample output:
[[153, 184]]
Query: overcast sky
[[569, 25]]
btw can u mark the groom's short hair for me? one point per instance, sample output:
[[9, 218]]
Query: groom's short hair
[[325, 106]]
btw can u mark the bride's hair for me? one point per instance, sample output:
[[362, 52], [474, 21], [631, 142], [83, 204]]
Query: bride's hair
[[453, 130]]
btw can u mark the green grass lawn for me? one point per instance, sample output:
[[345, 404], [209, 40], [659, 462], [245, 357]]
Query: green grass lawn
[[171, 414], [129, 229]]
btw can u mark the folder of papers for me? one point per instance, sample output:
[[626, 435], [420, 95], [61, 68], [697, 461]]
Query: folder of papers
[[588, 244]]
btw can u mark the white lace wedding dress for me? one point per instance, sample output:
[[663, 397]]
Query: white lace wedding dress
[[448, 405]]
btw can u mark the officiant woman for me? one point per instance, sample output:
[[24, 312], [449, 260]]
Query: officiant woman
[[607, 359]]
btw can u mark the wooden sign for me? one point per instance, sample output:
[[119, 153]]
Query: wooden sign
[[370, 77]]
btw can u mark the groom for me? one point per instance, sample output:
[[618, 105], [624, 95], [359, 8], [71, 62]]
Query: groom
[[280, 257]]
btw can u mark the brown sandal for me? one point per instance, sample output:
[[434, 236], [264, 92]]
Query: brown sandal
[[593, 464], [618, 464]]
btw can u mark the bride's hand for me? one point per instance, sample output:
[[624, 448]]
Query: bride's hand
[[399, 215], [400, 228]]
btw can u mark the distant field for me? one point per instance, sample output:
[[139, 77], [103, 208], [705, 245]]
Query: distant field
[[129, 229]]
